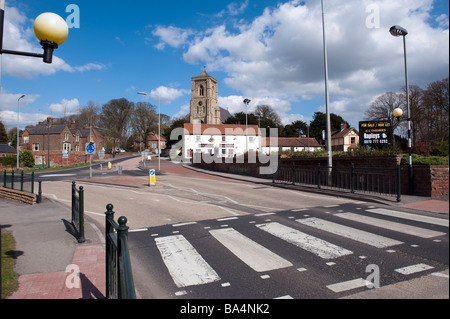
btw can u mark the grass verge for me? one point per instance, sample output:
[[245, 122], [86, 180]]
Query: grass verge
[[9, 278]]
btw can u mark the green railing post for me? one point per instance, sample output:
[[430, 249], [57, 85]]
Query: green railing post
[[4, 178], [352, 178], [126, 285], [12, 179], [39, 197], [318, 176], [21, 181], [293, 173], [109, 249], [32, 182], [81, 238], [399, 181]]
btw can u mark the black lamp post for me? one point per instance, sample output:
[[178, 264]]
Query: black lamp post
[[398, 31], [50, 29]]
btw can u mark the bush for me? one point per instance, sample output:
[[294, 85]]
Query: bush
[[26, 158], [426, 160], [8, 161]]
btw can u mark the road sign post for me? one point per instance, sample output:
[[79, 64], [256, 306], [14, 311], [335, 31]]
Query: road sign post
[[152, 177]]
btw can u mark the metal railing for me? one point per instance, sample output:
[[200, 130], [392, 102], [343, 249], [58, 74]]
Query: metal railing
[[119, 276], [369, 180], [18, 181], [78, 211]]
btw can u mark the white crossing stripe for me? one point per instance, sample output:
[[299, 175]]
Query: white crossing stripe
[[310, 243], [348, 285], [349, 232], [398, 227], [419, 218], [254, 255], [413, 269], [184, 263]]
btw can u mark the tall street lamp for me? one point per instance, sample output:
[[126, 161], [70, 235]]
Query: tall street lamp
[[398, 31], [159, 129], [18, 122], [327, 100], [246, 102]]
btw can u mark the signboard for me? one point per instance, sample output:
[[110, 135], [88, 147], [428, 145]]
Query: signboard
[[90, 148], [375, 133], [152, 177], [65, 154]]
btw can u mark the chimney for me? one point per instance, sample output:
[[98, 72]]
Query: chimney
[[343, 126], [50, 121], [73, 125]]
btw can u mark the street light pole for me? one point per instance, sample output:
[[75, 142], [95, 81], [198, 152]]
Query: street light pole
[[327, 99], [397, 31], [18, 121], [246, 102], [159, 129]]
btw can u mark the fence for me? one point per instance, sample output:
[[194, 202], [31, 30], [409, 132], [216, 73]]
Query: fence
[[382, 181], [78, 211], [119, 276], [19, 181]]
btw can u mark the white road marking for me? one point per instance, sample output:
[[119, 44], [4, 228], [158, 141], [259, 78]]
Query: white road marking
[[348, 285], [254, 255], [184, 224], [310, 243], [398, 227], [419, 218], [413, 269], [57, 175], [348, 232], [184, 263], [439, 274]]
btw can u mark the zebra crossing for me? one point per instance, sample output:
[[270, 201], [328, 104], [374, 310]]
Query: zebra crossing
[[326, 253]]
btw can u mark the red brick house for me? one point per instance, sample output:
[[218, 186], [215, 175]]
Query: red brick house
[[49, 140]]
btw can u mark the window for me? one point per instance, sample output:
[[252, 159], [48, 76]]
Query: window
[[77, 138], [77, 148], [201, 91], [66, 146], [66, 136], [353, 140], [26, 139], [198, 138], [35, 147]]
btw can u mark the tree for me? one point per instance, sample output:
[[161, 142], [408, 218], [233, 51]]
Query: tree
[[382, 109], [267, 112], [88, 116], [145, 121], [296, 129], [3, 135], [319, 124], [115, 121]]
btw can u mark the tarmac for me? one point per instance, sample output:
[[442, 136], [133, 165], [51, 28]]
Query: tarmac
[[52, 265]]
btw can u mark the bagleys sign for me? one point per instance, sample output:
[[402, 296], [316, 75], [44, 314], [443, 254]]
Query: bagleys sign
[[375, 133]]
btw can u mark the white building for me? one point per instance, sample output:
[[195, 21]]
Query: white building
[[220, 140]]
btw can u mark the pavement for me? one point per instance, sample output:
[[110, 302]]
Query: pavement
[[51, 263]]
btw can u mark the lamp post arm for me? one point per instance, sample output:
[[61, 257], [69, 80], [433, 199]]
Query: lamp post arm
[[30, 54]]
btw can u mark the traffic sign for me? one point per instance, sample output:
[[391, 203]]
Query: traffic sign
[[90, 148], [152, 177]]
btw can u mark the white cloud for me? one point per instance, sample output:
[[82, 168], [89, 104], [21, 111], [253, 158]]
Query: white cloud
[[9, 118], [166, 95], [66, 107], [175, 37], [280, 53]]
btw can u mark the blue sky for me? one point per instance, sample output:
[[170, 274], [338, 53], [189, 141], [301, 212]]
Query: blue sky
[[267, 51]]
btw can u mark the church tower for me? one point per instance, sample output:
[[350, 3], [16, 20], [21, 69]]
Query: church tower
[[204, 108]]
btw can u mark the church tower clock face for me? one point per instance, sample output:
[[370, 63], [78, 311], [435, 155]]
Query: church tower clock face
[[204, 108]]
